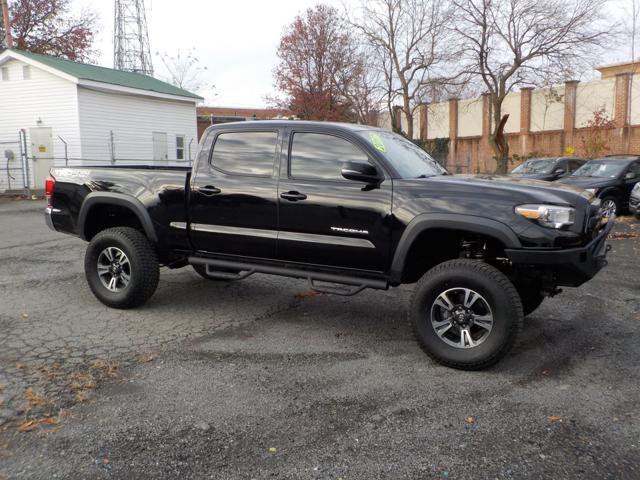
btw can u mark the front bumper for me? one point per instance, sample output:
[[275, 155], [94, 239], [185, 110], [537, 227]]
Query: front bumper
[[572, 266]]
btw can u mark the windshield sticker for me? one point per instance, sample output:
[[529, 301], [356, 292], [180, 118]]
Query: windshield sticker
[[377, 142]]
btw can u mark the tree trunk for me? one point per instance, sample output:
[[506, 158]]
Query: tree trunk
[[409, 118], [500, 146]]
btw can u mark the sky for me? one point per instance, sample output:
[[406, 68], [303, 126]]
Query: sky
[[235, 39]]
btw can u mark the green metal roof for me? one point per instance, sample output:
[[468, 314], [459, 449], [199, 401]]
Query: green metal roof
[[95, 73]]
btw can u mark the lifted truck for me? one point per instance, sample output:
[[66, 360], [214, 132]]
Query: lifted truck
[[347, 205]]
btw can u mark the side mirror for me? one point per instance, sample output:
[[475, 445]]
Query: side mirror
[[361, 172], [559, 171], [630, 176]]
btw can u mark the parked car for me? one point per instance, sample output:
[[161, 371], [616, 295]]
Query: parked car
[[548, 168], [610, 178], [634, 201], [346, 204]]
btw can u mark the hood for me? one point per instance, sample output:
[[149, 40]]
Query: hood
[[587, 182], [518, 185], [534, 176]]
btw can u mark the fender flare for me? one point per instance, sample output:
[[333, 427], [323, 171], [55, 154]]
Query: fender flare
[[121, 200], [611, 191], [430, 221]]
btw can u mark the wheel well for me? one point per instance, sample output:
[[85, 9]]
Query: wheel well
[[435, 246], [104, 216]]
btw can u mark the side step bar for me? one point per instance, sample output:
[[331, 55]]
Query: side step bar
[[247, 269]]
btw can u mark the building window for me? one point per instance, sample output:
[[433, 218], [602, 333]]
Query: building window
[[179, 147], [26, 72], [5, 74]]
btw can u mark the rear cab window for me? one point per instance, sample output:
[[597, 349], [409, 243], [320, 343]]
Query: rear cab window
[[245, 153]]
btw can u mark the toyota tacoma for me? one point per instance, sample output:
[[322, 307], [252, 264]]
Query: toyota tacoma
[[346, 207]]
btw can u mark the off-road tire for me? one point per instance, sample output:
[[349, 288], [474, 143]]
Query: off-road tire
[[202, 271], [145, 271], [501, 296]]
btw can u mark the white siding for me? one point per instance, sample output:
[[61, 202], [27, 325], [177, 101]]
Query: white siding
[[44, 97], [132, 119]]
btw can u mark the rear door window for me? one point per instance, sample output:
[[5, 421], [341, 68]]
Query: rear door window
[[245, 153]]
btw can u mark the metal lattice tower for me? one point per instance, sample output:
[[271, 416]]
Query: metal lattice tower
[[131, 51]]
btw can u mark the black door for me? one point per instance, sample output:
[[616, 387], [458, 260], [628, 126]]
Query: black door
[[326, 219], [233, 202]]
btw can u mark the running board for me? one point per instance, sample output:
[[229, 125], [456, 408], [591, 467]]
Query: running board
[[247, 269]]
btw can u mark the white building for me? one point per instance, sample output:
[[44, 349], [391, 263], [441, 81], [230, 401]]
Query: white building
[[79, 114]]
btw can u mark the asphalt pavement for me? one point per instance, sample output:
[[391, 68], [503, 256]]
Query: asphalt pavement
[[264, 379]]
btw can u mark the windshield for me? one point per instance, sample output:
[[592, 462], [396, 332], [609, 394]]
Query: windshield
[[536, 165], [409, 160], [600, 168]]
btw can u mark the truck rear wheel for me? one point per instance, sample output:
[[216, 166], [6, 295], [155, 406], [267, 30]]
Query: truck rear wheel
[[466, 314], [121, 267]]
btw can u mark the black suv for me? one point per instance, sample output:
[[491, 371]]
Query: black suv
[[548, 168], [610, 178]]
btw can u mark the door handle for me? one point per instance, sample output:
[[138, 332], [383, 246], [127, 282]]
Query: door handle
[[209, 190], [293, 196]]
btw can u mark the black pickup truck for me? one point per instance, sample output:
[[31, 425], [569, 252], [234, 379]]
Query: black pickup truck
[[345, 207]]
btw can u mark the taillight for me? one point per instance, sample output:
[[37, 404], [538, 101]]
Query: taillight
[[48, 191]]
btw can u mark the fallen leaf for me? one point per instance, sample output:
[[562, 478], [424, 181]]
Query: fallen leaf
[[34, 398], [25, 315], [273, 450], [470, 420], [49, 421], [27, 426], [147, 357], [554, 418], [308, 294]]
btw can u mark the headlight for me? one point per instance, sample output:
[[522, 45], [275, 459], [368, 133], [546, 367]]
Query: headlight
[[550, 216], [636, 187], [591, 190]]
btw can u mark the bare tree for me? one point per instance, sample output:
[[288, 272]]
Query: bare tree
[[408, 40], [509, 43], [184, 70]]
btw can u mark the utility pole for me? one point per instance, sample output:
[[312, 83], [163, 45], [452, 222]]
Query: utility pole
[[8, 38]]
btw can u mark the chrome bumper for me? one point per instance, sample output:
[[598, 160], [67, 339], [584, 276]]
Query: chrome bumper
[[47, 217]]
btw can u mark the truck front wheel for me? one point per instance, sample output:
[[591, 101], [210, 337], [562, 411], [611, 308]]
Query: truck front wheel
[[466, 314], [121, 267]]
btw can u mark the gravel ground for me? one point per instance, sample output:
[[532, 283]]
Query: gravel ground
[[261, 379]]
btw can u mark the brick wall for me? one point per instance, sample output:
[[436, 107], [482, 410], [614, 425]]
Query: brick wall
[[473, 154]]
